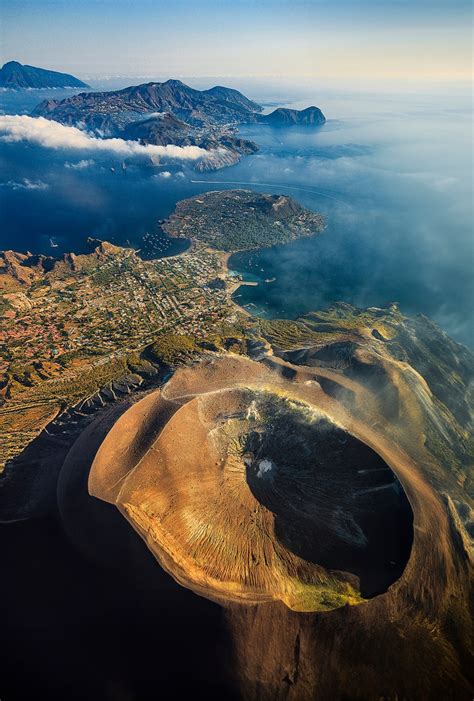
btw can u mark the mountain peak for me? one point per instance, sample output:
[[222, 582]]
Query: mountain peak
[[17, 76], [175, 81], [112, 111], [220, 92]]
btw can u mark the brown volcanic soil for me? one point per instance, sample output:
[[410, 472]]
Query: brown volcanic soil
[[187, 493], [228, 529]]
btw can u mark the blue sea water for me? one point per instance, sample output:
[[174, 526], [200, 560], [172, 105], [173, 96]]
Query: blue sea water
[[391, 172]]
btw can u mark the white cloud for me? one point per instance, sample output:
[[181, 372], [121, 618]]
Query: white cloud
[[80, 165], [50, 134], [25, 184], [165, 174]]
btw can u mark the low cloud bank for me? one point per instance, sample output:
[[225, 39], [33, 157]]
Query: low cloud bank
[[25, 184], [50, 134]]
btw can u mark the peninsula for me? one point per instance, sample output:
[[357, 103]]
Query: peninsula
[[236, 220]]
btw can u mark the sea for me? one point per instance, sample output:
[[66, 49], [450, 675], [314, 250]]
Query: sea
[[390, 169]]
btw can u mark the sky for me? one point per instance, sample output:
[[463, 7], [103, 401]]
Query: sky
[[355, 40]]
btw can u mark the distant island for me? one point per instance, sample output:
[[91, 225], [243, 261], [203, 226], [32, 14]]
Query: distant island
[[282, 116], [174, 113], [16, 76]]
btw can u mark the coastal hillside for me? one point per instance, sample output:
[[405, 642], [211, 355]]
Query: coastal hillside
[[236, 220], [109, 111]]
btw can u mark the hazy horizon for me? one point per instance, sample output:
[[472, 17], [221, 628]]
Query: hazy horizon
[[388, 41]]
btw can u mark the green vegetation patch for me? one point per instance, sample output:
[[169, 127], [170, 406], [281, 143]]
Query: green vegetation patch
[[172, 348]]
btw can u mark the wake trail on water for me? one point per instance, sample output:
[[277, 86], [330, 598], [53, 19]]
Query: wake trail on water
[[287, 187]]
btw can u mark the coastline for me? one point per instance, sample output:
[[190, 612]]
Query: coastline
[[232, 287]]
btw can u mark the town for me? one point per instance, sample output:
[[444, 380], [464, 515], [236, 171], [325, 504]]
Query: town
[[70, 331]]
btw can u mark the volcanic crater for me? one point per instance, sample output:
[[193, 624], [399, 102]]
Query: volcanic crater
[[246, 490]]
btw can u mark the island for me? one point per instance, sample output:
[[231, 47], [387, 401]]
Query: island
[[310, 116], [16, 76], [171, 112]]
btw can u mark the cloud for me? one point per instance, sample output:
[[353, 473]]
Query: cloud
[[440, 183], [80, 165], [50, 134], [25, 184], [165, 174]]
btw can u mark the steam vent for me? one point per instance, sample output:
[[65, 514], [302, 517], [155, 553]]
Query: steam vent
[[248, 486]]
